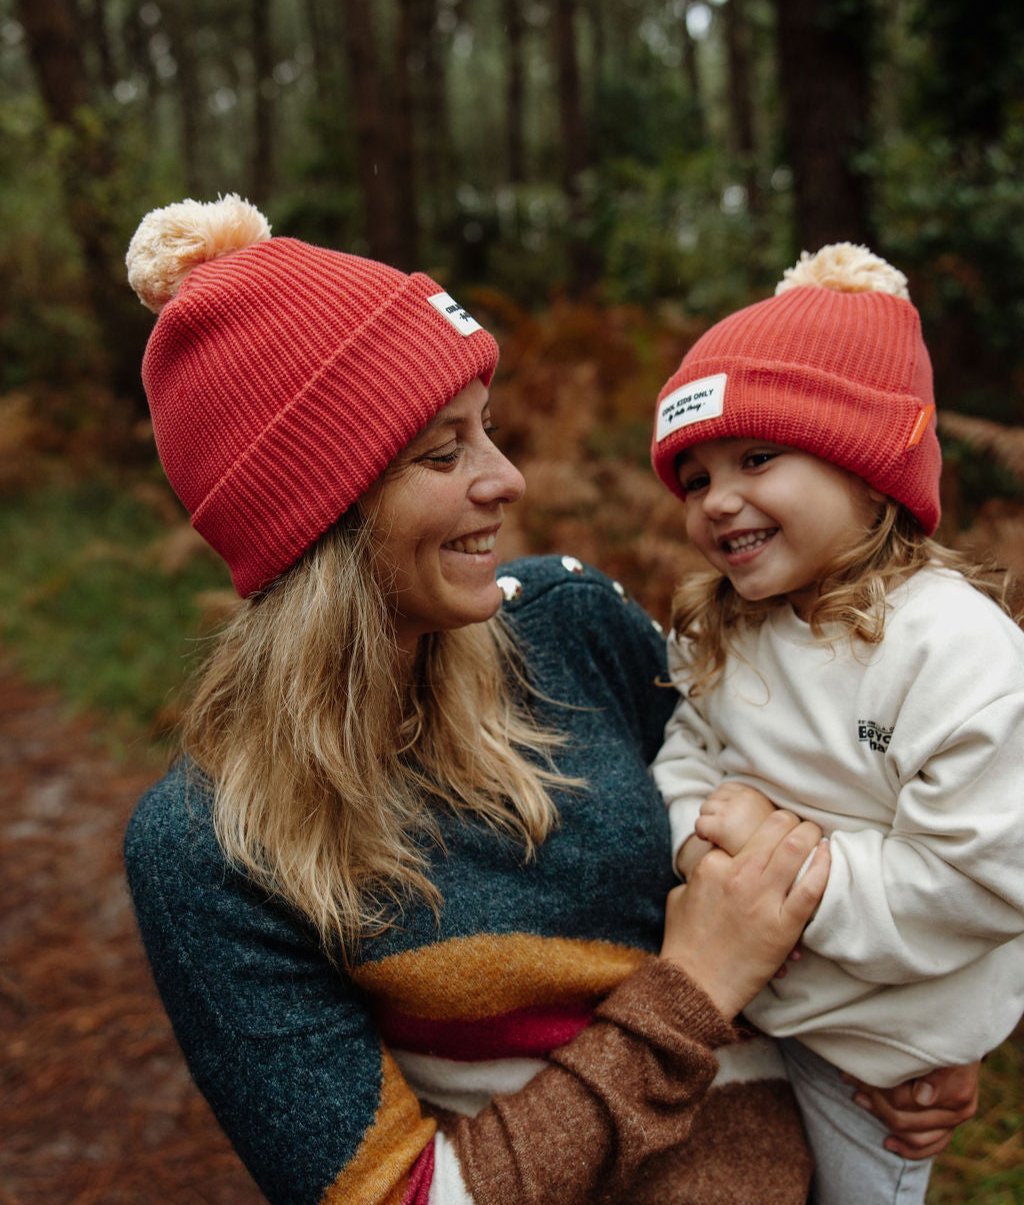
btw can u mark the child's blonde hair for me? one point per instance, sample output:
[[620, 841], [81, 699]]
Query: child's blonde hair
[[708, 612]]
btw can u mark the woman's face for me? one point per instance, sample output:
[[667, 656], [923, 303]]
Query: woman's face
[[436, 513]]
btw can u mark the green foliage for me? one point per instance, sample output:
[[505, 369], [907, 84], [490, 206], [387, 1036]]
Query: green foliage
[[641, 119], [980, 476], [45, 326], [86, 604], [667, 210], [972, 81], [683, 230], [956, 225], [983, 1163]]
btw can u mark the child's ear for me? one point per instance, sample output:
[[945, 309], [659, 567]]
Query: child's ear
[[877, 495]]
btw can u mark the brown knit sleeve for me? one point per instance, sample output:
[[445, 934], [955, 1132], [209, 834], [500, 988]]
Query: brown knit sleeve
[[622, 1092]]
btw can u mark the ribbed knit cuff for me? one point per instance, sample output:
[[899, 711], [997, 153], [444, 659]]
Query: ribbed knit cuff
[[662, 1003]]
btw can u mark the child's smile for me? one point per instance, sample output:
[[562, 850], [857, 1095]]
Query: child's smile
[[770, 517], [746, 541]]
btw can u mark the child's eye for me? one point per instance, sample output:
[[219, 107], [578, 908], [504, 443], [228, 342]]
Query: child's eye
[[693, 483]]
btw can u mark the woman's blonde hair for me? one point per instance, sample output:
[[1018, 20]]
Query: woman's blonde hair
[[328, 765], [709, 613]]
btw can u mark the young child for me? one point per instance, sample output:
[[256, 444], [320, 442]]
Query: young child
[[839, 663]]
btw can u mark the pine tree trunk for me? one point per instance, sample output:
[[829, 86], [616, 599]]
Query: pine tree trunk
[[180, 21], [96, 16], [88, 168], [583, 268], [741, 108], [372, 133], [436, 147], [824, 51], [514, 76], [403, 113], [263, 133], [691, 73]]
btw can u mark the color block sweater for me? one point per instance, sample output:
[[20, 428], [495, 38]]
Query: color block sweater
[[526, 1047], [910, 754]]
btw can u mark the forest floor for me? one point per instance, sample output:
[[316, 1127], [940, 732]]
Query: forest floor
[[95, 1102]]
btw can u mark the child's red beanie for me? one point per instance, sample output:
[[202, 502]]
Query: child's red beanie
[[844, 375]]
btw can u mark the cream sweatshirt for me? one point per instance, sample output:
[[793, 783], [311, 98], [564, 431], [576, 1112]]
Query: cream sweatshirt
[[910, 755]]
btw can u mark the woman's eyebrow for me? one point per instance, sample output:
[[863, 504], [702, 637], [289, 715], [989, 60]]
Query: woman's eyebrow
[[442, 421]]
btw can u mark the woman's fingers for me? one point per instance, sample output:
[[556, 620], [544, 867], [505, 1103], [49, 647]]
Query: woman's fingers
[[739, 917], [920, 1146], [806, 893], [781, 846], [922, 1113]]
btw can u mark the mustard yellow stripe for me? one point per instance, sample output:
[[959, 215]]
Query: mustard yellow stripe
[[468, 978], [380, 1170]]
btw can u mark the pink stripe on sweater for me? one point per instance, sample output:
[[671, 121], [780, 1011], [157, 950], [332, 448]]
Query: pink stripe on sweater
[[417, 1191], [523, 1033]]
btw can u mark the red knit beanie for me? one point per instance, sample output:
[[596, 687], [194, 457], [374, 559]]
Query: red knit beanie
[[833, 364], [283, 378]]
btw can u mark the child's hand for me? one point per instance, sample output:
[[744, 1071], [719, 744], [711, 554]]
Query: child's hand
[[731, 814]]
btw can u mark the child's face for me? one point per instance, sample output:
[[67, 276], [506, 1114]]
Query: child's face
[[771, 518]]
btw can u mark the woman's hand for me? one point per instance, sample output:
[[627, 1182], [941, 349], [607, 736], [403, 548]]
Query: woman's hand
[[922, 1114], [734, 922]]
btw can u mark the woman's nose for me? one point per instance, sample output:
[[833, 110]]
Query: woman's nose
[[498, 481]]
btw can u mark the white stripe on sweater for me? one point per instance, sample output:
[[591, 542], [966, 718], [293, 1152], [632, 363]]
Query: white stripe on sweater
[[464, 1087], [746, 1061], [447, 1187]]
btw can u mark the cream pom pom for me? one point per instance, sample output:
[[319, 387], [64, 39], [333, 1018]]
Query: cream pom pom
[[846, 268], [171, 241]]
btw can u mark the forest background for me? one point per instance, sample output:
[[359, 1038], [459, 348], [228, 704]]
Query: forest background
[[598, 183]]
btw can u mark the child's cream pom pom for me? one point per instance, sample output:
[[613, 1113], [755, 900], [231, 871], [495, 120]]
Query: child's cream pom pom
[[171, 241], [846, 268]]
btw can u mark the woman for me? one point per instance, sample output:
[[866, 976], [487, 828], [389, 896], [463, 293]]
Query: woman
[[384, 895]]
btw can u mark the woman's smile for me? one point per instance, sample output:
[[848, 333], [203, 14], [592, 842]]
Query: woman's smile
[[480, 542]]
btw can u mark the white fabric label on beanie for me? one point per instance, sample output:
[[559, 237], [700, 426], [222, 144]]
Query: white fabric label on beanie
[[463, 322], [691, 403]]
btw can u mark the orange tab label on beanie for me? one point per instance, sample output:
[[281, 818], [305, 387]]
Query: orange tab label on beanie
[[448, 308], [924, 417], [691, 403]]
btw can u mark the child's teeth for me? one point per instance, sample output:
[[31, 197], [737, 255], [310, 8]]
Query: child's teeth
[[748, 540]]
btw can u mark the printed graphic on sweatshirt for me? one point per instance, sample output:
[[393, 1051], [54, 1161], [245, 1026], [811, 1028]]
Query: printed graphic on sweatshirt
[[876, 735]]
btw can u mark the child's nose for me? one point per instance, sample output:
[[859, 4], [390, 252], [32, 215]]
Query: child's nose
[[721, 497]]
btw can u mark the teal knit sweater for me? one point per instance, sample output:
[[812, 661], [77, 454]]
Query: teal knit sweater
[[524, 1047]]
